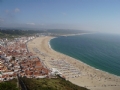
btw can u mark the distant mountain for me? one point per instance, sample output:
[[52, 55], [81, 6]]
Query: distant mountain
[[13, 32]]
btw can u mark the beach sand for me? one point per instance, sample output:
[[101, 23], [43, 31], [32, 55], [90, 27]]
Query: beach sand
[[73, 70]]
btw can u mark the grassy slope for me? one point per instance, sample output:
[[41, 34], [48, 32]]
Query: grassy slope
[[41, 84], [9, 85], [50, 84]]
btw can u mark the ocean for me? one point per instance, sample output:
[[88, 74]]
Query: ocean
[[101, 51]]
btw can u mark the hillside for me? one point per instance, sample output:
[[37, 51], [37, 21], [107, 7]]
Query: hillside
[[9, 85], [41, 84], [50, 84]]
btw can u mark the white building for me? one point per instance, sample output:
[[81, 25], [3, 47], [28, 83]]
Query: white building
[[55, 72]]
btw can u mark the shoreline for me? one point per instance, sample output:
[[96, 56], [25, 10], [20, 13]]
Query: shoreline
[[89, 76], [80, 60], [49, 42]]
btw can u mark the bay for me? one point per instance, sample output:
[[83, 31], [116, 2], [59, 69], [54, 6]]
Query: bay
[[101, 51]]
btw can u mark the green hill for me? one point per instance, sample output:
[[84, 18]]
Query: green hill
[[50, 84], [41, 84], [9, 85]]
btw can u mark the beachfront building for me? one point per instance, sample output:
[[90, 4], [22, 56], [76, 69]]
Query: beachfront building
[[55, 72], [16, 60]]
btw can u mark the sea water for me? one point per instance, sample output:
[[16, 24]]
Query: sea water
[[101, 51]]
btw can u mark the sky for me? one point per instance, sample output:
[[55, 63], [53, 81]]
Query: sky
[[94, 15]]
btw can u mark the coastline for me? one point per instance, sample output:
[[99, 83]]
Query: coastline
[[80, 60], [90, 77], [49, 42]]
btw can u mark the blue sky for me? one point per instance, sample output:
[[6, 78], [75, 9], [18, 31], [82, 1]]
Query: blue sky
[[95, 15]]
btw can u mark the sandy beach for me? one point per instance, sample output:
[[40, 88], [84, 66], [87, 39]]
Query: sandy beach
[[72, 69]]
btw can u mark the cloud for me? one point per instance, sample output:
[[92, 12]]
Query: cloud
[[17, 10], [30, 23]]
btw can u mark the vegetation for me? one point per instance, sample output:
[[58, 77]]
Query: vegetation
[[50, 84], [20, 32], [9, 85], [13, 33], [10, 33], [41, 84]]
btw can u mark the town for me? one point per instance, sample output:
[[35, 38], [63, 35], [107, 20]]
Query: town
[[15, 59]]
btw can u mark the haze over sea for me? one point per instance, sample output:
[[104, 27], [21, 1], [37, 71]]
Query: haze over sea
[[101, 51]]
